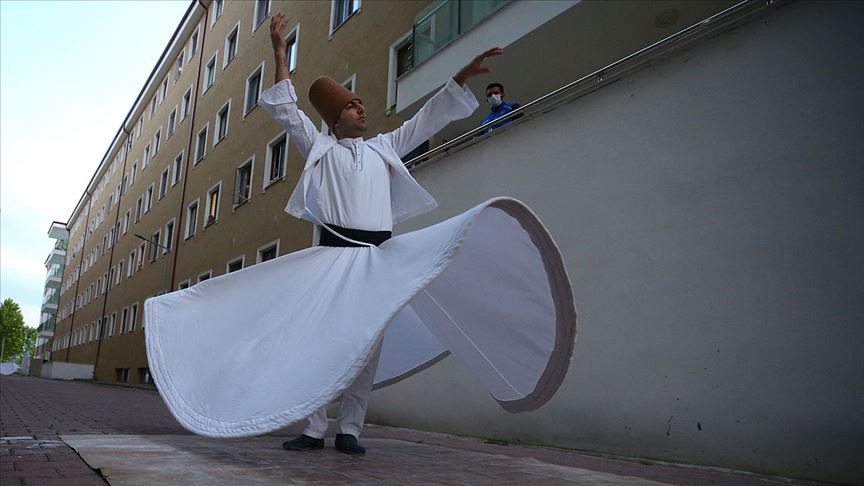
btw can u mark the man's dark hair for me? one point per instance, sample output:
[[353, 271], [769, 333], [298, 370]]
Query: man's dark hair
[[492, 85]]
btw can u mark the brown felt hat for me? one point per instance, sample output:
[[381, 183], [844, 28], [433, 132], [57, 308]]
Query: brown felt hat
[[329, 98]]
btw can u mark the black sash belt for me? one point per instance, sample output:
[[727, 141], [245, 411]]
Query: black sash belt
[[371, 237]]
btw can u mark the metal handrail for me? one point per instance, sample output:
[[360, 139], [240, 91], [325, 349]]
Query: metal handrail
[[602, 75]]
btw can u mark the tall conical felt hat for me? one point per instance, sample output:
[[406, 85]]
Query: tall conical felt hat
[[329, 98]]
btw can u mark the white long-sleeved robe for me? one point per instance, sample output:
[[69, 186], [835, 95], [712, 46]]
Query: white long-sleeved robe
[[255, 350]]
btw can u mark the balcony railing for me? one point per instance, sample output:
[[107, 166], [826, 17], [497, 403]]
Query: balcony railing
[[61, 245], [444, 21]]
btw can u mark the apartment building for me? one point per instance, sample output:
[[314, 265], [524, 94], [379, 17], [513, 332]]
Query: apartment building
[[194, 183]]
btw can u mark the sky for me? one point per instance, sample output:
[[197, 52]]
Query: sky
[[69, 73]]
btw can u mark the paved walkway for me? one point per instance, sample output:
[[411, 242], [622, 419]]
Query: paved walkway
[[82, 433]]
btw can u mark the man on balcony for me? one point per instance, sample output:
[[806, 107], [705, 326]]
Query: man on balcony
[[499, 108], [356, 188]]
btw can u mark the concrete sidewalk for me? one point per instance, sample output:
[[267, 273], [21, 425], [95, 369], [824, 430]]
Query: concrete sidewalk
[[84, 433]]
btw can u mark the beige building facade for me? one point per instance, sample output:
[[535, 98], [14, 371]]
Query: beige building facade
[[202, 172]]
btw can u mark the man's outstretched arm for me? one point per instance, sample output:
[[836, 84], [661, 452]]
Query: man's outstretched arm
[[278, 31]]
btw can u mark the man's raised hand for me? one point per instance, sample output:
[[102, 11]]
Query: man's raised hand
[[476, 66], [278, 31]]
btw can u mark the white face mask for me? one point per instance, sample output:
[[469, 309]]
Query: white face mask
[[494, 100]]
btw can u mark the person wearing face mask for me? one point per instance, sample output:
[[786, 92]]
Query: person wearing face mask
[[499, 107]]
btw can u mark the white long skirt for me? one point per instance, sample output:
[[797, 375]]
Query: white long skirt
[[256, 350]]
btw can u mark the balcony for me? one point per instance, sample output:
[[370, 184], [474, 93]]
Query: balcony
[[58, 231], [546, 45], [57, 255]]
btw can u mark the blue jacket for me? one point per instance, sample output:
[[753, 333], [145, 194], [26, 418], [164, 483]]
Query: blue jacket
[[500, 110]]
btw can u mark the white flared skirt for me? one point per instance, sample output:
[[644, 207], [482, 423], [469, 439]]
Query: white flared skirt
[[256, 350]]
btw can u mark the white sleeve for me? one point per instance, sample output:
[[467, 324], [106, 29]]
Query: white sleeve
[[452, 102], [280, 101]]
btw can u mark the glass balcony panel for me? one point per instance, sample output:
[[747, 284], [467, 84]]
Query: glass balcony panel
[[442, 22], [435, 28], [472, 12]]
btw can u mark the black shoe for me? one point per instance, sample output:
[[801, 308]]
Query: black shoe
[[304, 443], [348, 444]]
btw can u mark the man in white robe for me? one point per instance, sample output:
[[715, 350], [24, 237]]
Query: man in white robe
[[356, 189]]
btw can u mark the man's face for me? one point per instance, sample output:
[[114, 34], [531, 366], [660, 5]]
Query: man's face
[[495, 96], [352, 120]]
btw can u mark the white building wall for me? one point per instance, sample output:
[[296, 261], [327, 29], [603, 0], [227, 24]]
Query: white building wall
[[710, 210]]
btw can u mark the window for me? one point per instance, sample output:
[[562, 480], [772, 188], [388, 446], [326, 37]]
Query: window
[[213, 204], [193, 44], [262, 8], [274, 164], [152, 107], [210, 72], [163, 183], [222, 123], [231, 45], [291, 48], [341, 10], [201, 144], [146, 158], [156, 139], [124, 320], [132, 266], [169, 236], [141, 249], [268, 251], [191, 219], [172, 120], [139, 208], [236, 264], [134, 170], [205, 276], [177, 171], [179, 69], [243, 182], [119, 273], [218, 6], [126, 221], [149, 199], [154, 245], [183, 285], [401, 54], [164, 91], [186, 106], [253, 89], [133, 317]]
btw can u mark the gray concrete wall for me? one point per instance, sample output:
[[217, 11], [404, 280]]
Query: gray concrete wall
[[709, 210]]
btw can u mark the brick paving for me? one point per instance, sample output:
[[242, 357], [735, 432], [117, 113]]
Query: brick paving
[[35, 413]]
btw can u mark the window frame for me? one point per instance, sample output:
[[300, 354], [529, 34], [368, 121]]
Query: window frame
[[250, 162], [214, 59], [255, 21], [177, 169], [260, 72], [226, 58], [241, 259], [226, 108], [265, 247], [163, 181], [189, 219], [199, 144], [268, 160], [169, 235], [213, 218], [333, 26]]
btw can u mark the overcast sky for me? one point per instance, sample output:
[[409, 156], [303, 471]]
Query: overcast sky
[[69, 73]]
